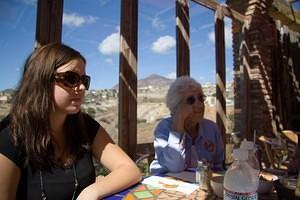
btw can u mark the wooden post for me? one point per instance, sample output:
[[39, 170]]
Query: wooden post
[[128, 77], [48, 22], [220, 72], [182, 38]]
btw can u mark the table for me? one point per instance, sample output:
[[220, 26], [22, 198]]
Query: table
[[147, 192], [141, 191]]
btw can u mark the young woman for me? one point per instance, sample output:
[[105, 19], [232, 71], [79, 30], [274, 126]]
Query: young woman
[[46, 151], [186, 137]]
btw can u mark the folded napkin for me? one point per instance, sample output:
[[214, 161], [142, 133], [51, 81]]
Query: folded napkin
[[170, 184]]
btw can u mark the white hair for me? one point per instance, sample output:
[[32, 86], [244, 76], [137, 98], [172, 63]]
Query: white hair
[[175, 92]]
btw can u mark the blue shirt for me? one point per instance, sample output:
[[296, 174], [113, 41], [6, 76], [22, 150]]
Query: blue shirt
[[173, 155]]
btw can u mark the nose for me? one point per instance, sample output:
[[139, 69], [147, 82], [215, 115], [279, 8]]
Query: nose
[[82, 86], [199, 104], [79, 88]]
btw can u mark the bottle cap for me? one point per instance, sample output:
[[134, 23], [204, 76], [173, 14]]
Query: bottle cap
[[200, 162], [248, 145], [240, 154]]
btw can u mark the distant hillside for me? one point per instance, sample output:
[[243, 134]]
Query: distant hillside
[[154, 80], [8, 91]]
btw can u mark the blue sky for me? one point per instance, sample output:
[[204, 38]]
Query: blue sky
[[92, 27]]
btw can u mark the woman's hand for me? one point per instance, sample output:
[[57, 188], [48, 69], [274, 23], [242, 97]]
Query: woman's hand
[[182, 113], [88, 193]]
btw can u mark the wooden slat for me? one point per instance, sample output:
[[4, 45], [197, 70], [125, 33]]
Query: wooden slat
[[213, 5], [182, 37], [220, 70], [128, 77], [48, 22]]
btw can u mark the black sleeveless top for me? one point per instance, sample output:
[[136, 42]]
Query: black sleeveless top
[[59, 182]]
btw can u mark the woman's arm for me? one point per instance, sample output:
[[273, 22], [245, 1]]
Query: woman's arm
[[124, 172], [169, 148], [9, 178]]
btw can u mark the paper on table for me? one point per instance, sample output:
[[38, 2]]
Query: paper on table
[[184, 175], [169, 184]]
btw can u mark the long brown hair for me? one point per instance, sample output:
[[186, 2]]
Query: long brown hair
[[33, 102]]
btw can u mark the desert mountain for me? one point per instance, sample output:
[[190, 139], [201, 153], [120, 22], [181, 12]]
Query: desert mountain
[[153, 80]]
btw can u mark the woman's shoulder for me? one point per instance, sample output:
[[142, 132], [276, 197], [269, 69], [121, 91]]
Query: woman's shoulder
[[5, 136], [165, 122], [8, 149], [4, 122], [164, 125], [91, 126]]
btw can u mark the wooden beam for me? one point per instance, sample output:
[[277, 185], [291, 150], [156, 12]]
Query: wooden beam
[[228, 12], [211, 4], [182, 37], [220, 72], [292, 24], [128, 77], [48, 22]]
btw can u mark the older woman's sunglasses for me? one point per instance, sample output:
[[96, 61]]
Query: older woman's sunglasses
[[192, 99], [72, 79]]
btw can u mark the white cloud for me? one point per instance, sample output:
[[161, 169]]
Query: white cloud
[[211, 37], [158, 24], [75, 20], [171, 75], [228, 36], [109, 61], [205, 26], [163, 44], [103, 2], [30, 2], [110, 45]]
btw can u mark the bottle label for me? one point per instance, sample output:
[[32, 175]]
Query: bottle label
[[230, 195]]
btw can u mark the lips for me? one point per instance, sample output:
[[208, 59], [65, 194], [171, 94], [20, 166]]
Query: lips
[[76, 100]]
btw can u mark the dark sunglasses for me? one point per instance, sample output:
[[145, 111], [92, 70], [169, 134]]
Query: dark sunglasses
[[72, 79], [192, 99]]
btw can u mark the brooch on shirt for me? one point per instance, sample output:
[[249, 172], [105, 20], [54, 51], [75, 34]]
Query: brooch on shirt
[[209, 145]]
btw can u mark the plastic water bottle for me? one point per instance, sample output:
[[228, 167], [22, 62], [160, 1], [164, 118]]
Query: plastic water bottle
[[252, 159], [239, 182]]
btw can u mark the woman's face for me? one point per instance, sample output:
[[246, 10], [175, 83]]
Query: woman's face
[[67, 99], [194, 97]]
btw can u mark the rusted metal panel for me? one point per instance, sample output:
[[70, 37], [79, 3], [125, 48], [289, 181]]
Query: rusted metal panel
[[48, 22], [128, 77], [182, 37]]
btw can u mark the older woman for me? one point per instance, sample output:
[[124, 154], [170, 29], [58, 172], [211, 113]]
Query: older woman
[[186, 137]]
